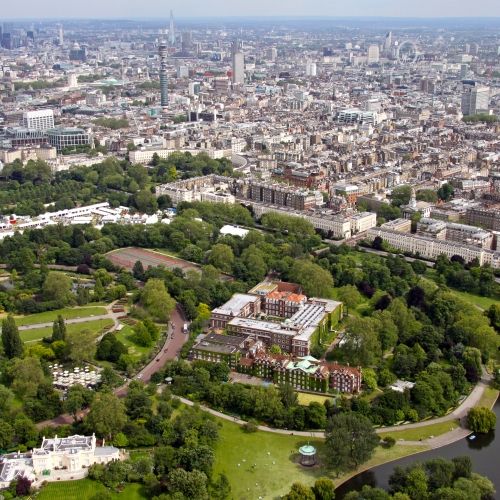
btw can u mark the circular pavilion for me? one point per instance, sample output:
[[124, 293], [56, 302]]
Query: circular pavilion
[[307, 455]]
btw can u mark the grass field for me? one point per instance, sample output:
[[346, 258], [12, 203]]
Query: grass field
[[431, 430], [477, 300], [267, 462], [67, 313], [306, 398], [85, 489], [125, 336], [488, 398], [39, 333]]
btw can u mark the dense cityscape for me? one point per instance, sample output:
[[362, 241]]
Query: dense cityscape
[[249, 258]]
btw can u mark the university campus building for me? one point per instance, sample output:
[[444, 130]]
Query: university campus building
[[278, 313]]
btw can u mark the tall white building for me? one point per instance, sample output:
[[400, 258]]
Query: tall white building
[[475, 99], [373, 54], [311, 69], [42, 119], [72, 81], [238, 63]]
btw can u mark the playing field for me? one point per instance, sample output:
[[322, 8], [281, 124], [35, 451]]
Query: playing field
[[127, 257]]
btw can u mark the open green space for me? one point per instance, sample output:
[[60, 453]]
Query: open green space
[[126, 335], [305, 398], [264, 464], [488, 398], [39, 333], [67, 313], [477, 300], [427, 431], [84, 489]]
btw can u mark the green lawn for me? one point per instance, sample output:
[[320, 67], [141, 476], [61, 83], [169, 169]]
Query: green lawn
[[431, 430], [477, 300], [85, 489], [67, 313], [39, 333], [488, 398], [267, 461], [125, 335], [306, 398]]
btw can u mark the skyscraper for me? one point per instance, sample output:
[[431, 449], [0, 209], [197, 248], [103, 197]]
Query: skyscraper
[[238, 63], [373, 54], [475, 99], [61, 35], [171, 30], [163, 52], [388, 43]]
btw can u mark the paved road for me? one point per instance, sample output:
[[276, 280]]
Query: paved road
[[169, 351]]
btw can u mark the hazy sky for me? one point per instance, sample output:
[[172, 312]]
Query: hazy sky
[[201, 8]]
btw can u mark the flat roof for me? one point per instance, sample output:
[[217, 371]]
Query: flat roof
[[235, 304]]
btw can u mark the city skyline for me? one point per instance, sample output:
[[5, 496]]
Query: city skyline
[[258, 8]]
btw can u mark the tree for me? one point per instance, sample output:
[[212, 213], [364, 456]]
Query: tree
[[445, 192], [288, 395], [324, 489], [59, 329], [6, 433], [300, 491], [142, 336], [275, 349], [138, 271], [99, 292], [77, 398], [349, 295], [23, 486], [81, 346], [145, 202], [106, 416], [315, 281], [361, 345], [481, 420], [401, 195], [11, 341], [57, 287], [192, 484], [222, 257], [350, 441], [156, 300]]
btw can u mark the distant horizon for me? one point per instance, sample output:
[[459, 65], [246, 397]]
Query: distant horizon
[[250, 16], [256, 9]]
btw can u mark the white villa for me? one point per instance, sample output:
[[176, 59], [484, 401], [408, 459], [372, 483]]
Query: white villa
[[56, 459]]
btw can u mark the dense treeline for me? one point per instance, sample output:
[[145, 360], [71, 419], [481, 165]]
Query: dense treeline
[[411, 329], [204, 382], [27, 188]]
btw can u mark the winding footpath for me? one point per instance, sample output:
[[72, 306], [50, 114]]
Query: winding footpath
[[452, 436]]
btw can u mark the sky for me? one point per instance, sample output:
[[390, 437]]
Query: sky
[[214, 8]]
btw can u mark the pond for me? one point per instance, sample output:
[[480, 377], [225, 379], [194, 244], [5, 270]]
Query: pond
[[484, 451]]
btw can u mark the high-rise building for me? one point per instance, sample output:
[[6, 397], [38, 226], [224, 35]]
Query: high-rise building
[[311, 68], [373, 54], [475, 99], [61, 35], [72, 81], [238, 63], [163, 52], [42, 119], [171, 31], [388, 43]]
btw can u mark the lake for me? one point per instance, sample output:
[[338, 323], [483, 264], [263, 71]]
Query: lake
[[484, 452]]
